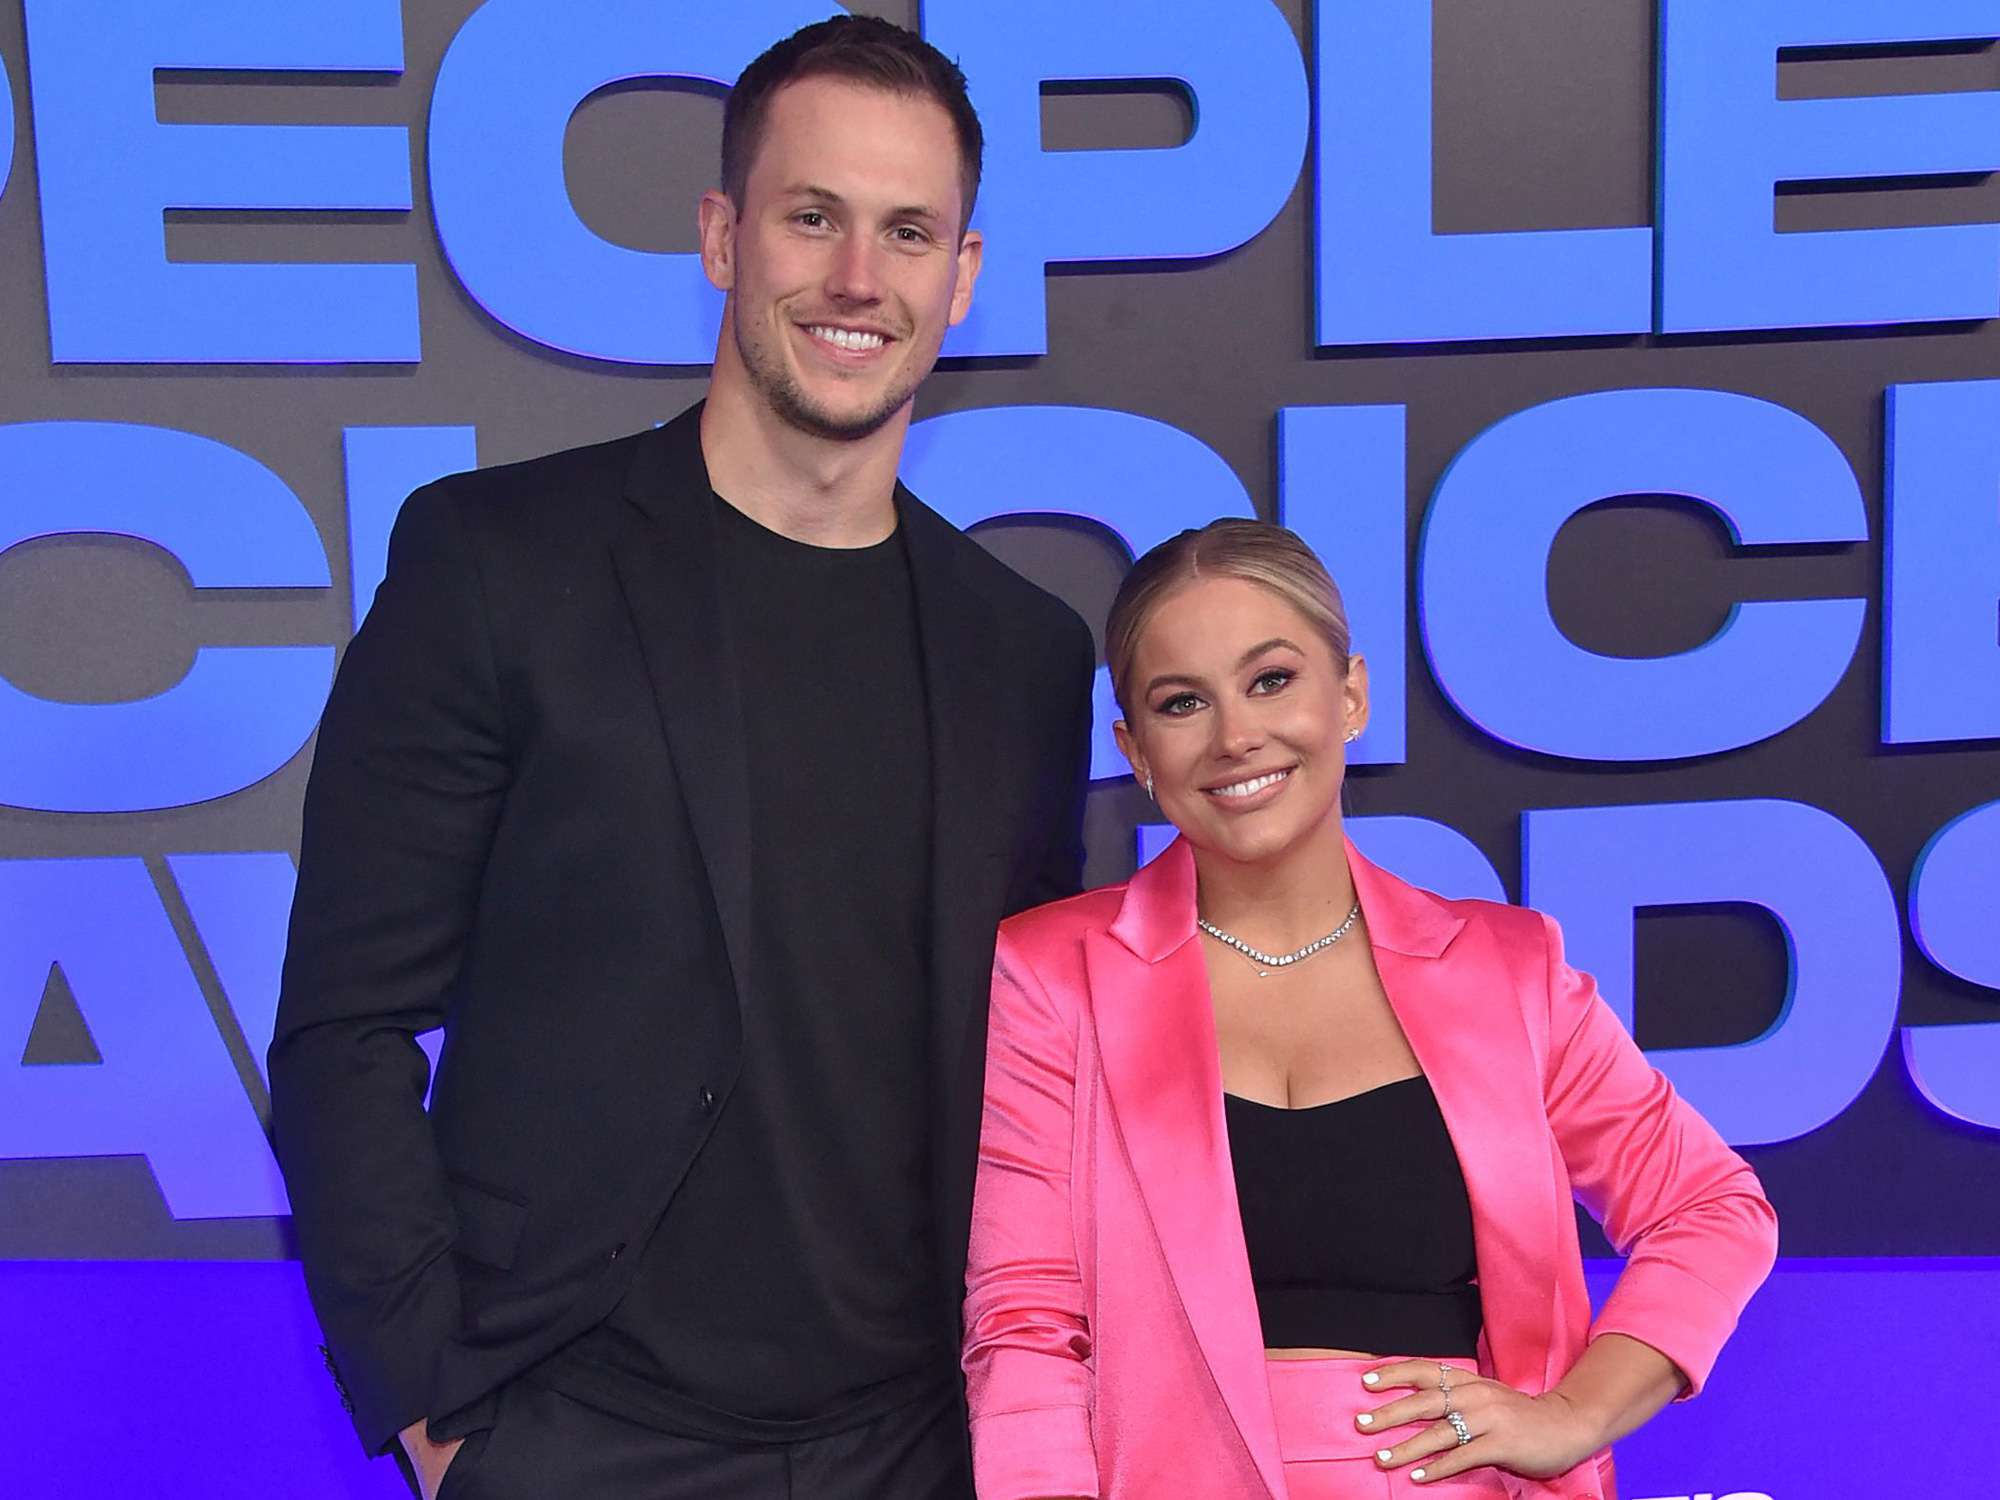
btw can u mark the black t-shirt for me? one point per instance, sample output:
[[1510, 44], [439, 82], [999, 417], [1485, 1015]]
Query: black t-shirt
[[791, 1285]]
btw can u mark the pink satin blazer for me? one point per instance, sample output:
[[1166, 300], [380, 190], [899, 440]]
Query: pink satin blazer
[[1112, 1346]]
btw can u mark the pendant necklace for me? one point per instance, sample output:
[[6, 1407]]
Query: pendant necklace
[[1267, 962]]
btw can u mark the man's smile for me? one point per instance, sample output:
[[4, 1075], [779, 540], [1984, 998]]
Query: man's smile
[[851, 339]]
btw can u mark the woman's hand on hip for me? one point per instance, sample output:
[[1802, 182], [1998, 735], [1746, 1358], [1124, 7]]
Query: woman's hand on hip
[[1499, 1427]]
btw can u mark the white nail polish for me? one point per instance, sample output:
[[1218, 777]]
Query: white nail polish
[[1417, 1474], [1365, 1420], [1371, 1378], [1381, 1455]]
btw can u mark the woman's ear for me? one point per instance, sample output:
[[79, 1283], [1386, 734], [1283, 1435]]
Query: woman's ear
[[1129, 748], [1354, 696]]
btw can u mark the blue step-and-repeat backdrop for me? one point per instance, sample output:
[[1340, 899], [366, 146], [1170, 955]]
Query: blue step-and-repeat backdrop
[[1633, 363]]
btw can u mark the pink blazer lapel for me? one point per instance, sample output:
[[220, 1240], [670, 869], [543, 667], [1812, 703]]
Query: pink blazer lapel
[[1156, 1037], [1472, 1045]]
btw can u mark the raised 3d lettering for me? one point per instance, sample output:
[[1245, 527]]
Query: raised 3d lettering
[[1341, 487], [1381, 274], [515, 74], [1498, 653], [1039, 208], [1941, 573], [1727, 140], [167, 1088], [1592, 868], [242, 711], [1955, 914], [109, 170], [6, 127]]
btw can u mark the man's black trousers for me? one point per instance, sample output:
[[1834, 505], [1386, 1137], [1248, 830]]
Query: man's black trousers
[[543, 1444]]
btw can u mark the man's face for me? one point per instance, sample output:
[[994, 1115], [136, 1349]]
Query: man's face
[[843, 262]]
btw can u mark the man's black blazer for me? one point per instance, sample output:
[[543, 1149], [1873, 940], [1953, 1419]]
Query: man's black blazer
[[528, 822]]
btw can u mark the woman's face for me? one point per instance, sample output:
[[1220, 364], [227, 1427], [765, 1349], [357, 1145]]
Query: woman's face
[[1240, 712]]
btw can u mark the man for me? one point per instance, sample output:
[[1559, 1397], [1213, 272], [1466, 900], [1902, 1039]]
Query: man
[[683, 780]]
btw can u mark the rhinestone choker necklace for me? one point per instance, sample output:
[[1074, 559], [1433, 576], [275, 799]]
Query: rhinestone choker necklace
[[1266, 962]]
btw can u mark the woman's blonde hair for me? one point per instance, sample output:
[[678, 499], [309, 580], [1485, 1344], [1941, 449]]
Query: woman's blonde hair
[[1255, 551]]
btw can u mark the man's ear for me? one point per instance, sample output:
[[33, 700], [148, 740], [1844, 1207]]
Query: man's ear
[[717, 218], [971, 255]]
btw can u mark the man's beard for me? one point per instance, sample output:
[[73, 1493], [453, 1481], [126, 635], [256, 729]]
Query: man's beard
[[775, 383]]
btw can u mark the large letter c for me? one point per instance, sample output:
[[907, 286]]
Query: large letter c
[[1498, 653], [242, 711]]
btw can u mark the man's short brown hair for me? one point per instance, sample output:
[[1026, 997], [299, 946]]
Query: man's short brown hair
[[861, 49]]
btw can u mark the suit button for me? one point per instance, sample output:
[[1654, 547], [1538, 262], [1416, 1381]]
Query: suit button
[[617, 1250], [707, 1100]]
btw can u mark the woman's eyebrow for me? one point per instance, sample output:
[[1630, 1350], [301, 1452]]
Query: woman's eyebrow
[[1168, 678], [1261, 647]]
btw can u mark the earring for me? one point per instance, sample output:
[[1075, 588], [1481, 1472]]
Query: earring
[[1149, 784], [1352, 736]]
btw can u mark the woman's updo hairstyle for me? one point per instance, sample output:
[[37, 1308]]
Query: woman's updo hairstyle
[[1254, 551]]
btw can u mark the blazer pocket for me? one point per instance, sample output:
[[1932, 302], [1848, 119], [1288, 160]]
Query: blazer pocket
[[489, 1223]]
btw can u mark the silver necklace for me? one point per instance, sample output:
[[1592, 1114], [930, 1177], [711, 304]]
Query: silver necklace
[[1266, 962]]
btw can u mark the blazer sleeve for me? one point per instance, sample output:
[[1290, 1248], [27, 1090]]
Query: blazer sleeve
[[1029, 1384], [407, 782], [1060, 873], [1686, 1211]]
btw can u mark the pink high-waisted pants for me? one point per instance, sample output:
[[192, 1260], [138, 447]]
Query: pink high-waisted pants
[[1328, 1458]]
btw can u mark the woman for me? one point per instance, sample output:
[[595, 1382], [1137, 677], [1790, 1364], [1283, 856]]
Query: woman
[[1278, 1157]]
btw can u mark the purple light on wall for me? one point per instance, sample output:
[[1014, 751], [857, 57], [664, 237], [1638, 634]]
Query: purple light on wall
[[1800, 1405], [204, 1379], [173, 1379]]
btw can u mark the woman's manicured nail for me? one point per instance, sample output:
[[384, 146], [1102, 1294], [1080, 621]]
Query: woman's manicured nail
[[1371, 1378], [1418, 1475], [1366, 1419], [1381, 1455]]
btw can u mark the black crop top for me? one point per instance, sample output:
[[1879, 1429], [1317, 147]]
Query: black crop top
[[1357, 1223]]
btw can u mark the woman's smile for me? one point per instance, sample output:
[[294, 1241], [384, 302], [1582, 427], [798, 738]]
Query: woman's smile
[[1246, 793]]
